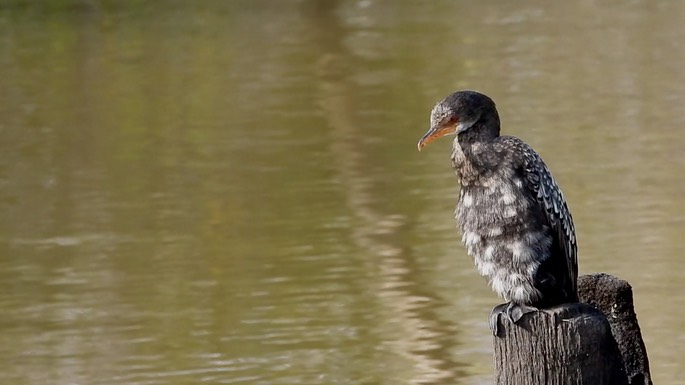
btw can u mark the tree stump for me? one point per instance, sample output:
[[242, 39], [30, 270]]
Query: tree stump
[[563, 345], [614, 297], [594, 342]]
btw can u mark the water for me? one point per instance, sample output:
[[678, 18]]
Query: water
[[230, 192]]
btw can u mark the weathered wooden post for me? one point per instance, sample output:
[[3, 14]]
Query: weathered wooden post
[[614, 297], [567, 344], [573, 343]]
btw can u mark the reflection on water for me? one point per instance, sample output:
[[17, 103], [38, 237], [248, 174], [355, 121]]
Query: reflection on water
[[230, 192], [409, 328]]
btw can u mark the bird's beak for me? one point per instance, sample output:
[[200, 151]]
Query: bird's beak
[[435, 133]]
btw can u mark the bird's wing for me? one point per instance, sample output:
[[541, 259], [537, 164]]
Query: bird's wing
[[548, 193]]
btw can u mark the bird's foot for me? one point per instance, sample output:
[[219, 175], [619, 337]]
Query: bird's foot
[[511, 310], [494, 317]]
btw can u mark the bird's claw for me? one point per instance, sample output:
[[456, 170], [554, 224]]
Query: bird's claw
[[513, 311], [494, 317]]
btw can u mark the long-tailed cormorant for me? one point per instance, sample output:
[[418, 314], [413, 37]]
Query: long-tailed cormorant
[[512, 215]]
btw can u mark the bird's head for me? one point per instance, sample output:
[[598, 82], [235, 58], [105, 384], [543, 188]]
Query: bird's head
[[461, 113]]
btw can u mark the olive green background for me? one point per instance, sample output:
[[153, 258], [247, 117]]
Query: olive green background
[[229, 191]]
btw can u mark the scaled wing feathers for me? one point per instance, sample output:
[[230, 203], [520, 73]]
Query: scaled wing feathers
[[549, 195]]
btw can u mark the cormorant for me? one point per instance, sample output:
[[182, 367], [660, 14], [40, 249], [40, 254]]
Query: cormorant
[[512, 215]]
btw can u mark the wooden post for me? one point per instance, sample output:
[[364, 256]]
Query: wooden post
[[614, 297], [564, 345], [596, 342]]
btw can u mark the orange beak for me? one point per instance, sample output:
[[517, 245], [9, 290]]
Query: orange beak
[[435, 133]]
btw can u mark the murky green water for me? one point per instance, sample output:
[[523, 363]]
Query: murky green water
[[230, 192]]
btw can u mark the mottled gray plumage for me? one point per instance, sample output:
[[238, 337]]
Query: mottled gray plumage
[[512, 215]]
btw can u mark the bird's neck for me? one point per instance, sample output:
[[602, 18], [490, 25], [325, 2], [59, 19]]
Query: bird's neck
[[474, 155], [484, 130], [475, 140]]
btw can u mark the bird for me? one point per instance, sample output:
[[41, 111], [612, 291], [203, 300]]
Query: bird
[[512, 215]]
